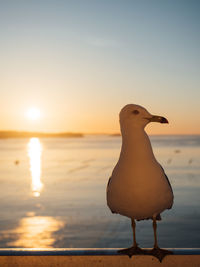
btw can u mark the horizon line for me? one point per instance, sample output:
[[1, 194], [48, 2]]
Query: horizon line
[[86, 133]]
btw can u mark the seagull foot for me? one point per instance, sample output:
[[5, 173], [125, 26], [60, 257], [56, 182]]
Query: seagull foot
[[135, 250], [159, 253]]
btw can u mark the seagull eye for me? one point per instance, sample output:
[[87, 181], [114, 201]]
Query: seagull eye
[[136, 112]]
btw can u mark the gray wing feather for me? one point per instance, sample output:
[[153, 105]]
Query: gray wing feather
[[168, 184], [107, 192]]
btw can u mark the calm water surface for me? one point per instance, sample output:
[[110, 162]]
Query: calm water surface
[[52, 193]]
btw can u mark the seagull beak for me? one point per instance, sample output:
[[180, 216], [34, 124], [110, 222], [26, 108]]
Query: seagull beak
[[160, 119]]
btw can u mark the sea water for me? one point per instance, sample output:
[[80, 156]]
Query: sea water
[[53, 193]]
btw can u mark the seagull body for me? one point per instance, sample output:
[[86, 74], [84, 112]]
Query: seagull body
[[138, 187]]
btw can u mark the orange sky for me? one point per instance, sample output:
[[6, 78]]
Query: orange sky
[[81, 63]]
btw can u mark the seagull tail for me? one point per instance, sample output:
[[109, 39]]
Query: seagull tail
[[158, 218]]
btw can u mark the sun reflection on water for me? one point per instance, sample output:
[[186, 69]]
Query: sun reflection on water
[[36, 232], [34, 153]]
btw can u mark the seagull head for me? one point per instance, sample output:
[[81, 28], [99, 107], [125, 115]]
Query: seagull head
[[138, 116]]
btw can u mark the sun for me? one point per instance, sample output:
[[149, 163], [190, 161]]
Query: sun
[[33, 113]]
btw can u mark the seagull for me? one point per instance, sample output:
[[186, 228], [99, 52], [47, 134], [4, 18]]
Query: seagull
[[138, 187]]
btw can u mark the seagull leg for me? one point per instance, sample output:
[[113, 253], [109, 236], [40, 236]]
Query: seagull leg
[[134, 250], [156, 251]]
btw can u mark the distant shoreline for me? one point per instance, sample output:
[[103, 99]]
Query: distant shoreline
[[23, 134], [119, 134]]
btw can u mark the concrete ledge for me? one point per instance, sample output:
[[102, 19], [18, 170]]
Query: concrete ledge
[[93, 258], [81, 251]]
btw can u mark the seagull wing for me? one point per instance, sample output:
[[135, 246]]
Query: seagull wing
[[107, 193], [168, 184]]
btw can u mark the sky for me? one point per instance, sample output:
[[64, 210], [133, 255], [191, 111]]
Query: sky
[[80, 62]]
